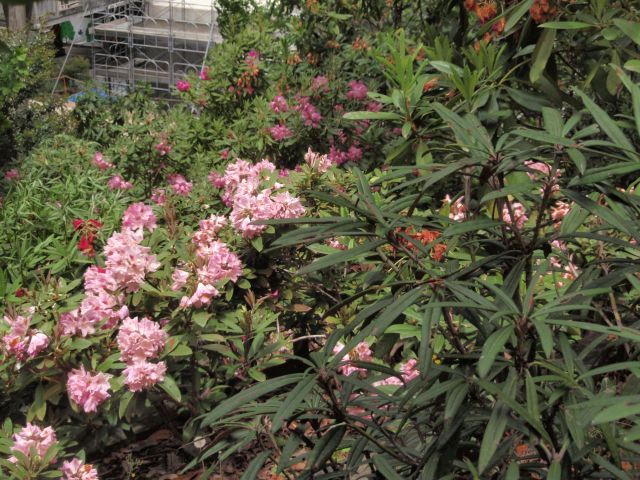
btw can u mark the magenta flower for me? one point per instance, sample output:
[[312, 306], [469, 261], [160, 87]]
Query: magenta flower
[[100, 162], [280, 132], [204, 73], [86, 390], [319, 83], [179, 184], [279, 104], [357, 90], [118, 183], [11, 175], [183, 85]]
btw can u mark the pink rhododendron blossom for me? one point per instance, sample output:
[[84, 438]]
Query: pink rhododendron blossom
[[201, 297], [100, 162], [318, 162], [163, 147], [280, 132], [219, 264], [139, 216], [362, 352], [179, 184], [457, 209], [357, 90], [279, 104], [140, 339], [73, 323], [209, 228], [118, 183], [310, 115], [354, 153], [179, 278], [374, 106], [335, 243], [98, 307], [143, 375], [21, 340], [337, 156], [540, 167], [204, 74], [519, 215], [127, 261], [183, 85], [158, 196], [319, 83], [12, 175], [559, 211], [32, 438], [86, 390], [76, 469], [97, 279]]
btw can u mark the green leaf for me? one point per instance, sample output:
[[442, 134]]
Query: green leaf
[[491, 348], [635, 93], [566, 25], [494, 431], [372, 116], [541, 54], [383, 464], [257, 244], [124, 403], [633, 65], [608, 125], [630, 29], [254, 467], [518, 12], [294, 399], [616, 412], [170, 386], [555, 471], [245, 396], [342, 256]]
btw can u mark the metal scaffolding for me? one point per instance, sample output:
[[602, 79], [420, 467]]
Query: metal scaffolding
[[152, 41]]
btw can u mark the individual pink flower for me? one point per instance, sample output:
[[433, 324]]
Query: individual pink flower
[[539, 167], [118, 183], [74, 323], [310, 115], [220, 263], [76, 469], [179, 184], [335, 243], [279, 104], [101, 306], [127, 261], [318, 162], [410, 370], [354, 153], [139, 216], [519, 215], [86, 390], [179, 278], [280, 132], [140, 339], [208, 232], [21, 340], [32, 438], [100, 162], [142, 375], [158, 196], [559, 211], [457, 209], [357, 90], [201, 297], [163, 147], [204, 73], [362, 352], [12, 175], [183, 85], [37, 342]]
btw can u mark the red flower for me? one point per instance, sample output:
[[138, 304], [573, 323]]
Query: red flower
[[86, 244], [78, 223], [21, 292]]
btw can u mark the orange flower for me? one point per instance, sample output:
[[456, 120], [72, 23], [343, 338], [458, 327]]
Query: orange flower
[[542, 10], [360, 44], [486, 11], [430, 85]]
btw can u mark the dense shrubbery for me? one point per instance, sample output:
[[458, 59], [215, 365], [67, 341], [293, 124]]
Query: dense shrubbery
[[426, 266]]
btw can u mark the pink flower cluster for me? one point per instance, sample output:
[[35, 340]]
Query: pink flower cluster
[[559, 211], [127, 261], [249, 202], [280, 132], [100, 162], [138, 341], [118, 183], [12, 175], [279, 104], [76, 469], [87, 390], [457, 208], [158, 196], [179, 184], [408, 370], [361, 353], [337, 156], [309, 113], [519, 215], [318, 162], [22, 341], [33, 438], [357, 91], [183, 85], [139, 216], [163, 147], [319, 83]]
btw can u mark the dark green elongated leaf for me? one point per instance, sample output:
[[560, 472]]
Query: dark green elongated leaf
[[541, 54], [491, 348], [254, 467], [552, 120], [470, 226], [635, 93], [431, 315], [603, 173], [516, 14], [250, 394], [616, 412], [624, 332], [366, 115], [513, 472], [618, 473], [608, 125], [555, 471], [544, 137], [326, 446], [455, 398], [294, 399], [629, 28], [383, 464], [170, 386], [566, 25], [614, 367], [342, 256], [365, 192], [494, 431], [532, 396]]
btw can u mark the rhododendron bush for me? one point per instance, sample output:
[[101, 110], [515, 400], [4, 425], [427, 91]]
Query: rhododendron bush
[[370, 240]]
